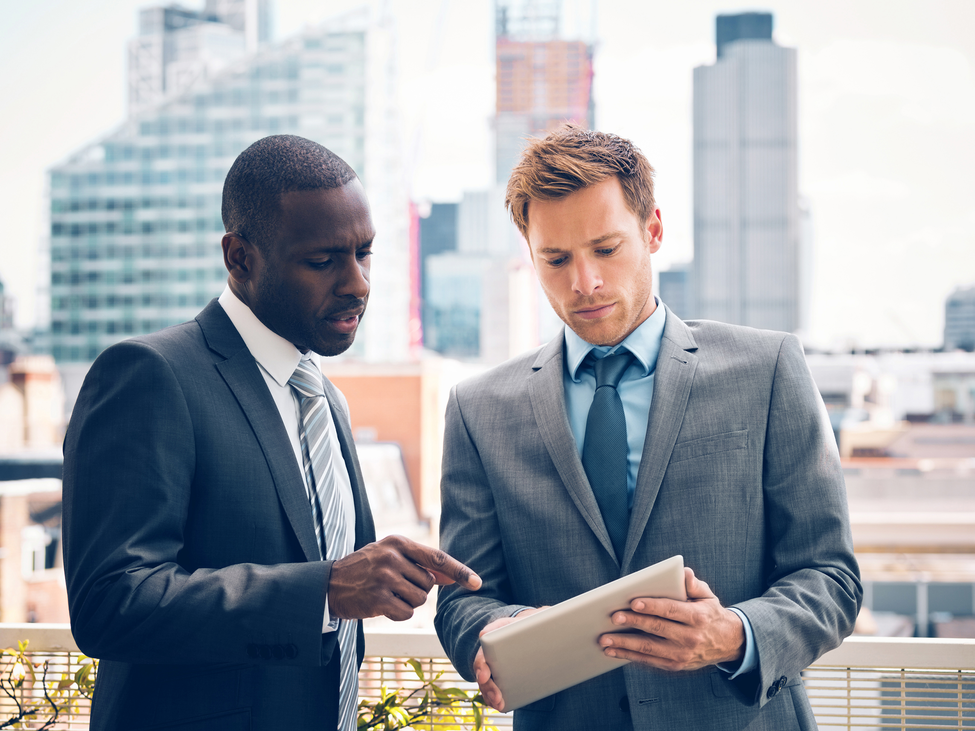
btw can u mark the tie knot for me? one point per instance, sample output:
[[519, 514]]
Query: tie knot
[[307, 380], [609, 370]]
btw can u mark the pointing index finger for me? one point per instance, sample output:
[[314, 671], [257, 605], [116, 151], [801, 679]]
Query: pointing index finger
[[445, 568]]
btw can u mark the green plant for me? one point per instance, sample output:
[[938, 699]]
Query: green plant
[[429, 703], [41, 693]]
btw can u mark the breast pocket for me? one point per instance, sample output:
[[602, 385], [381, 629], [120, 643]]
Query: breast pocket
[[709, 446]]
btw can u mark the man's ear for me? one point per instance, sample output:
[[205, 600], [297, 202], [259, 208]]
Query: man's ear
[[655, 231], [238, 256]]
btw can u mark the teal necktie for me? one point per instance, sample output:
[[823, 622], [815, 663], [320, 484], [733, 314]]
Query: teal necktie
[[604, 450]]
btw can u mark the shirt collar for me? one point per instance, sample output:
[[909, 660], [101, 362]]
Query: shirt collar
[[644, 343], [276, 356]]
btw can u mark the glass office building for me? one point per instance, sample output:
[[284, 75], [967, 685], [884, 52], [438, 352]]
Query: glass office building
[[135, 223]]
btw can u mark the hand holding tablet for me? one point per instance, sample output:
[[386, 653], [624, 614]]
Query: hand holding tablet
[[535, 655]]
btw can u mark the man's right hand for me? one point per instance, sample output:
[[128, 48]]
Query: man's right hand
[[391, 577], [489, 690]]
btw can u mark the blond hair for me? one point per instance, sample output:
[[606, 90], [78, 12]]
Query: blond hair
[[572, 158]]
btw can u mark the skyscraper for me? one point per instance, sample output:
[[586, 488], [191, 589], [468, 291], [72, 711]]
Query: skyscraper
[[177, 47], [135, 216], [746, 203], [543, 80]]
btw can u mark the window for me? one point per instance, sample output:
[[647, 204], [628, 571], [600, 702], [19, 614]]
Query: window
[[40, 548]]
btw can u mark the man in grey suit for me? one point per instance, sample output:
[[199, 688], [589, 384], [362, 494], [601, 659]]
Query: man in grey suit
[[192, 553], [724, 456]]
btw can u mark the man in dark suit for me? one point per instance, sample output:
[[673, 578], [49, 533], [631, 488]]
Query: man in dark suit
[[197, 569], [713, 443]]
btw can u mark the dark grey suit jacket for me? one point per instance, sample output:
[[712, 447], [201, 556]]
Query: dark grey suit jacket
[[739, 474], [190, 555]]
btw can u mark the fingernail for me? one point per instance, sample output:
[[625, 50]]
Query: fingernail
[[639, 606], [611, 653], [607, 641], [619, 619]]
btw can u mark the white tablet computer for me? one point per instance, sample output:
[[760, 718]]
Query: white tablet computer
[[557, 648]]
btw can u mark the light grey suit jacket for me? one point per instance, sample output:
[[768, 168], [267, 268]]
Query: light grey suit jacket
[[739, 474]]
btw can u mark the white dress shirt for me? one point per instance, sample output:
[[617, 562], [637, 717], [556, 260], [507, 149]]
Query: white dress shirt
[[277, 360]]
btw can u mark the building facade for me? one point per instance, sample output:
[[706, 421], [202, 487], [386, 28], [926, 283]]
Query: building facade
[[746, 203], [135, 217], [543, 79], [675, 289], [482, 300], [960, 320]]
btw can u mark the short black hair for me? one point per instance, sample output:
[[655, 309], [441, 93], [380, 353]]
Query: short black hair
[[269, 168]]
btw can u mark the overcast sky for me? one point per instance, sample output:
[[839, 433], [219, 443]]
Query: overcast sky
[[886, 109]]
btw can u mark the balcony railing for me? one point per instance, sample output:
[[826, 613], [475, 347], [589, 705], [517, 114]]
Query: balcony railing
[[867, 683]]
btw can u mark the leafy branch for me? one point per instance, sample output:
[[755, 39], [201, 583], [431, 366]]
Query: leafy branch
[[451, 708], [35, 694]]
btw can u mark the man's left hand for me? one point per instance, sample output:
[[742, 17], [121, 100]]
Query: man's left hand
[[675, 635]]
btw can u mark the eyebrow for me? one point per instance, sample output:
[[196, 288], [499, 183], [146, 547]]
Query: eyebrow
[[592, 242], [339, 248]]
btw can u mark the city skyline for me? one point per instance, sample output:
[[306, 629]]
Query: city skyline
[[887, 111]]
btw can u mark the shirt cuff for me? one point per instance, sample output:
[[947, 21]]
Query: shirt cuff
[[329, 623], [750, 661]]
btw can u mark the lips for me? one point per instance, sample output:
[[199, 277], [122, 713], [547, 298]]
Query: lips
[[595, 312], [345, 322]]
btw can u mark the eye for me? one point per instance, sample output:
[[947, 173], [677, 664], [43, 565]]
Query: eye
[[320, 264], [363, 254], [557, 262], [607, 251]]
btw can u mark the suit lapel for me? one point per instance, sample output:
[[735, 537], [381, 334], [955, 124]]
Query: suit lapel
[[676, 365], [547, 393], [242, 375]]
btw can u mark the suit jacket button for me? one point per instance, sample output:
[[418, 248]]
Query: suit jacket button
[[782, 681], [290, 652], [252, 651], [773, 689], [625, 704], [265, 652], [278, 652]]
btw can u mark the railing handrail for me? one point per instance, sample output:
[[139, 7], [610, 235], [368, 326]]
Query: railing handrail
[[861, 652]]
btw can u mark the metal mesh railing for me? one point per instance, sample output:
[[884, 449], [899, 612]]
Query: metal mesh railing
[[865, 698], [867, 683]]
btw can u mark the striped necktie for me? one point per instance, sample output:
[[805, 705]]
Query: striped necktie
[[329, 516]]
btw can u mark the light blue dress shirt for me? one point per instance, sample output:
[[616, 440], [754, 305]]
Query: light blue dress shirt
[[636, 393]]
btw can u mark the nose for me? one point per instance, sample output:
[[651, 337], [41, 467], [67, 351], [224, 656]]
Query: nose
[[354, 281], [586, 278]]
